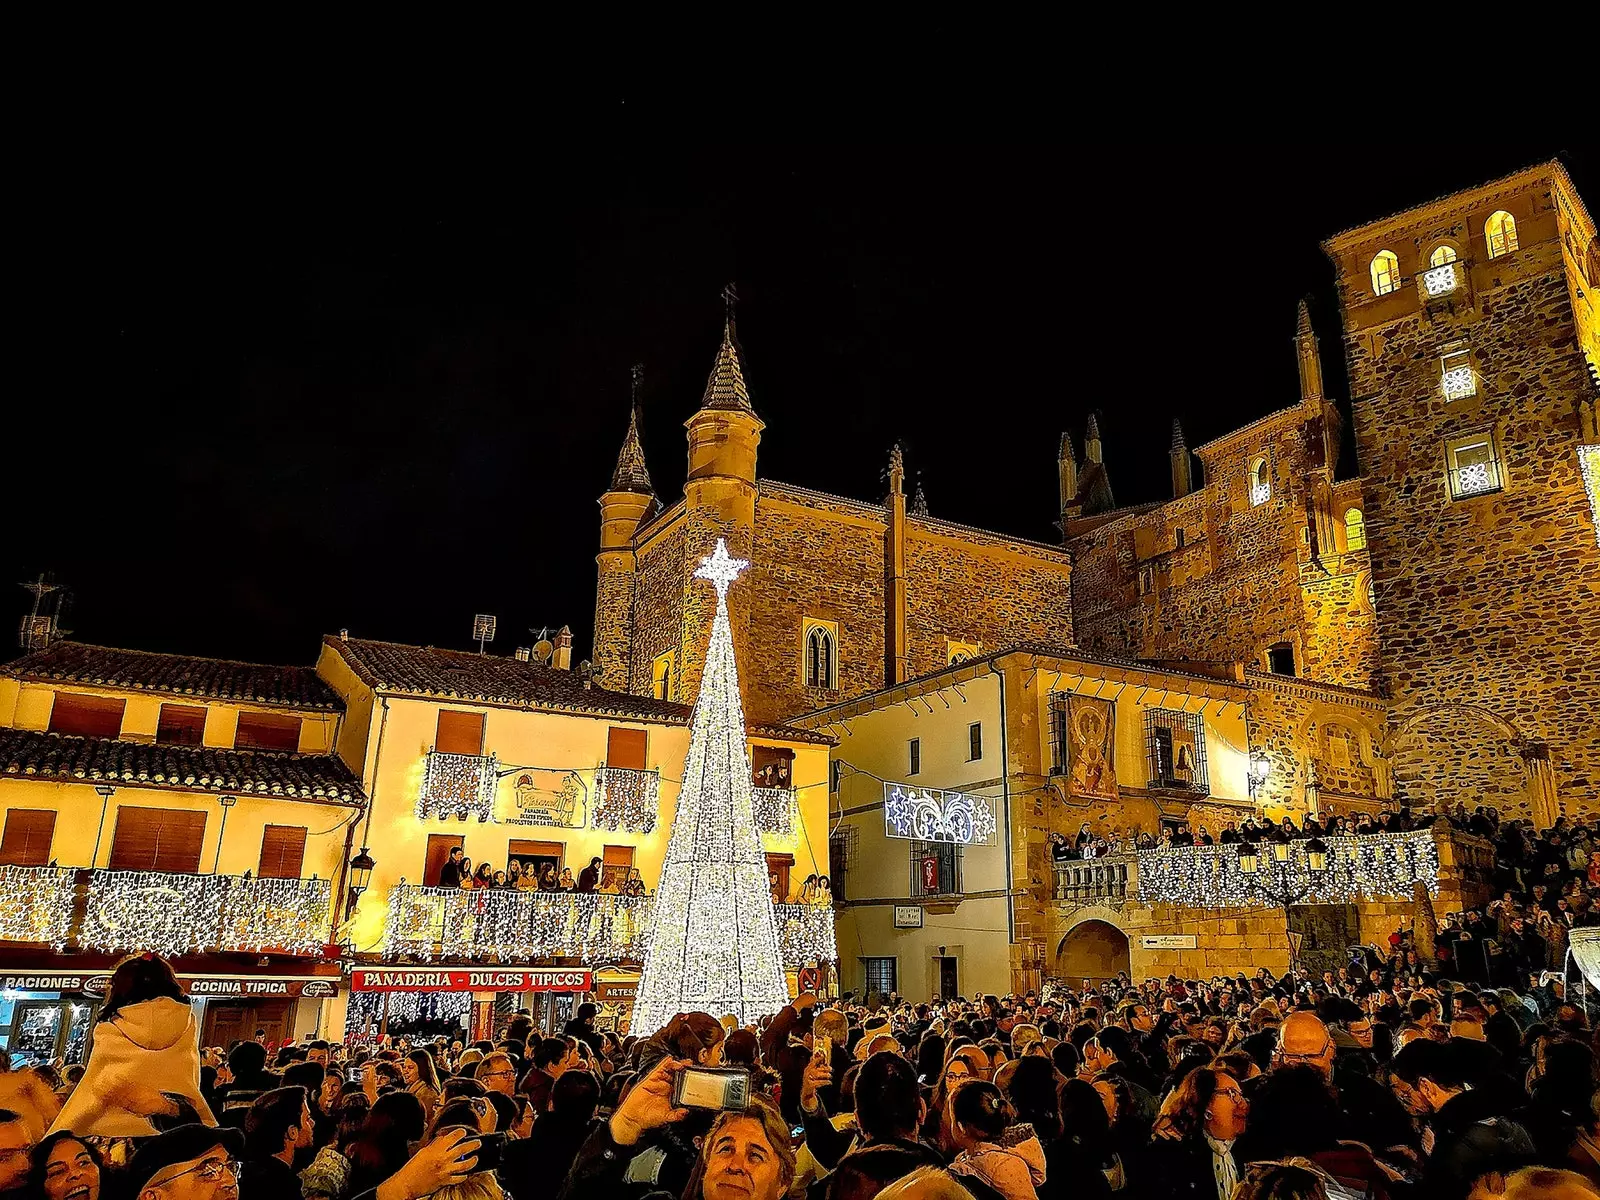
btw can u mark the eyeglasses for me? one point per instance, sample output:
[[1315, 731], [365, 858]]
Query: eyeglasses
[[210, 1170]]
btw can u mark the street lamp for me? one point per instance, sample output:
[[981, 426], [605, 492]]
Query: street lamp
[[1317, 855], [1256, 774], [360, 874]]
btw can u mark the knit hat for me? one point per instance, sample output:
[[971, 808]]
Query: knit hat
[[176, 1146]]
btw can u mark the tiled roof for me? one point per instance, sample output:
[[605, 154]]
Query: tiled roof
[[25, 753], [491, 679], [176, 675], [725, 389]]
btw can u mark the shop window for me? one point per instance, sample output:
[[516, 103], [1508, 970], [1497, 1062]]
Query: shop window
[[181, 725], [821, 641], [158, 839], [974, 742], [879, 975], [914, 767], [268, 731], [27, 837], [86, 716], [1385, 273], [661, 676], [283, 852], [1473, 466], [1500, 232], [458, 732], [1280, 659], [615, 864], [1355, 530]]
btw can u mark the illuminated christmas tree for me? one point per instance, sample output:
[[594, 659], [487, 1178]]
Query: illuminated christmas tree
[[713, 944]]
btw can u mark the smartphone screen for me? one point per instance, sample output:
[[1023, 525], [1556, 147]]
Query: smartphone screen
[[707, 1087], [488, 1152]]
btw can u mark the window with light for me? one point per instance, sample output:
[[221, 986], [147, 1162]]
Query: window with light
[[1385, 273], [1260, 482], [1455, 374], [1440, 277], [821, 652], [1474, 466], [1355, 530], [1500, 232], [661, 676]]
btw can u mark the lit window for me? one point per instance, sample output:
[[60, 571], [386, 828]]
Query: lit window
[[1385, 273], [821, 655], [661, 676], [1440, 277], [1500, 231], [1455, 374], [1355, 530], [1260, 482], [960, 652], [1589, 468], [1474, 468]]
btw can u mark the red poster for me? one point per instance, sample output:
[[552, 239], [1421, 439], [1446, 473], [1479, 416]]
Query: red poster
[[440, 979], [930, 874]]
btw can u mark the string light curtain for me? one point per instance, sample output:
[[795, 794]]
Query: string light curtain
[[502, 923], [36, 904], [774, 811], [181, 914], [626, 799], [458, 785], [713, 944], [1383, 866], [806, 933], [365, 1013]]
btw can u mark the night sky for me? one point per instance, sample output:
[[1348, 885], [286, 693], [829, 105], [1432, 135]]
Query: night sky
[[267, 405]]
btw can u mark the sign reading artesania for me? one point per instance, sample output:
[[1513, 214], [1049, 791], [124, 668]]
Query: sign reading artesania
[[427, 979], [925, 815]]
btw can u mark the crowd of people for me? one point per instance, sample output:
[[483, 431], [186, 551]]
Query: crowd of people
[[457, 871], [1091, 843]]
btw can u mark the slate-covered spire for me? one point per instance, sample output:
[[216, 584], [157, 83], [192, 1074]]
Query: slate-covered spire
[[1091, 441], [1307, 354], [1178, 452], [631, 474], [919, 502], [725, 389]]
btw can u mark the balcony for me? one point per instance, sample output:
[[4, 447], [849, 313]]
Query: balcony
[[625, 799], [774, 811], [1094, 880], [170, 913], [1436, 283], [595, 927], [458, 785]]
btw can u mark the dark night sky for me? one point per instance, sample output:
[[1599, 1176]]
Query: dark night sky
[[268, 404]]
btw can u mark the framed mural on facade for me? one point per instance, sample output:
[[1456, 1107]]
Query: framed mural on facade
[[1092, 736]]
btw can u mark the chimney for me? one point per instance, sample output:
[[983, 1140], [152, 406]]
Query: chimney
[[563, 658], [1182, 475], [344, 635], [524, 653]]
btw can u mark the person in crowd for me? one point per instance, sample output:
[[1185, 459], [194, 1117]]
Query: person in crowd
[[328, 1175], [500, 880], [451, 872], [1193, 1150], [514, 873], [980, 1121], [566, 884], [635, 884], [483, 877], [549, 878], [589, 877], [551, 1058], [497, 1073], [64, 1167], [421, 1078], [277, 1132], [383, 1146], [549, 1149], [190, 1162]]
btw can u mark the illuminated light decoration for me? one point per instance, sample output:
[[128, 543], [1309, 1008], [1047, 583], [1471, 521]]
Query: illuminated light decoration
[[1382, 866], [806, 934], [365, 1015], [774, 811], [502, 923], [182, 914], [1260, 491], [36, 904], [925, 815], [1475, 478], [1459, 383], [713, 942], [1440, 280], [458, 785], [1589, 468], [626, 799]]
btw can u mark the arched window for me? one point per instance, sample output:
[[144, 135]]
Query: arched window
[[661, 676], [1355, 530], [1260, 482], [1442, 255], [1385, 273], [821, 658], [1500, 231], [1440, 277]]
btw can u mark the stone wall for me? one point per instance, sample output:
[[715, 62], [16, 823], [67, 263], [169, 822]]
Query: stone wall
[[657, 599], [1303, 726]]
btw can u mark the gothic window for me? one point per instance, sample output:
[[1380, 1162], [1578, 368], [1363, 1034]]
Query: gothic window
[[960, 652], [1260, 482], [821, 655], [661, 676], [1440, 278], [1456, 376], [1355, 530], [1500, 232], [1441, 256], [1473, 465], [1385, 273]]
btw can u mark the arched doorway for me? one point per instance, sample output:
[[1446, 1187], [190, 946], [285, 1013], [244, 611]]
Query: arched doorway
[[1450, 753], [1092, 950]]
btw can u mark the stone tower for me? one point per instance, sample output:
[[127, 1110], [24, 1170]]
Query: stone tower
[[1471, 334], [628, 501], [719, 498]]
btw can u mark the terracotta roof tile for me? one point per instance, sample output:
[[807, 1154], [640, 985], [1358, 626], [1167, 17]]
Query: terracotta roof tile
[[176, 675], [25, 753]]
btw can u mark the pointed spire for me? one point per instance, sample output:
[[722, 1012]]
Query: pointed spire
[[1306, 352], [1178, 453], [725, 389], [1066, 453], [1177, 436], [919, 502], [897, 470], [631, 474], [1302, 326], [1091, 441]]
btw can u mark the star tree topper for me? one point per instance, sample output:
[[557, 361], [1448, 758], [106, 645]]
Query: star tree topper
[[721, 568]]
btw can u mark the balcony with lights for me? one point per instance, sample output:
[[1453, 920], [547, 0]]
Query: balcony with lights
[[775, 811], [626, 799], [458, 785]]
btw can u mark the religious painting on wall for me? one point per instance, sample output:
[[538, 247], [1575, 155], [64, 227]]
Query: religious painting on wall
[[1092, 726]]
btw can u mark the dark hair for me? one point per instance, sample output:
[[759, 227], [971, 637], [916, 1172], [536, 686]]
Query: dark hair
[[887, 1097], [686, 1036], [461, 1085], [462, 1111], [1083, 1117], [352, 1112], [979, 1106], [272, 1115], [1114, 1040], [505, 1108], [1187, 1114], [1425, 1058], [247, 1059], [574, 1097], [40, 1155], [1032, 1092], [930, 1056], [548, 1051], [308, 1075], [1294, 1114], [382, 1147], [319, 1044], [144, 977], [1065, 1058], [743, 1049]]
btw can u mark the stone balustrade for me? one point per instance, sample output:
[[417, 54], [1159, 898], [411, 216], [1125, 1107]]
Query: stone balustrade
[[1095, 880]]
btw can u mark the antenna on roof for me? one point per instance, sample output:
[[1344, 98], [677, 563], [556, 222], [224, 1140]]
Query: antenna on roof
[[39, 629], [483, 629]]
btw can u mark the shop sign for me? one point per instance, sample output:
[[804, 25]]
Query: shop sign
[[193, 985], [606, 992], [424, 979], [909, 916]]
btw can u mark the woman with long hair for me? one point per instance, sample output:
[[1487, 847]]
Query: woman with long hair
[[1072, 1169], [421, 1078], [385, 1142], [484, 877], [549, 881], [1087, 1126], [962, 1063], [1193, 1143]]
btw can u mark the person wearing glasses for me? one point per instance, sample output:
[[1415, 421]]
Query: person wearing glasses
[[1193, 1153], [497, 1073], [192, 1162]]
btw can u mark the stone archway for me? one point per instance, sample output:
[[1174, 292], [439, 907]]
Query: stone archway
[[1093, 949], [1446, 753]]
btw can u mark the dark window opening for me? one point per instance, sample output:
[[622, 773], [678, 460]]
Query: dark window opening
[[916, 757], [975, 741], [1280, 659], [181, 725]]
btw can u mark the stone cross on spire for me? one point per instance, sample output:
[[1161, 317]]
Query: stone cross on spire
[[730, 310], [721, 568]]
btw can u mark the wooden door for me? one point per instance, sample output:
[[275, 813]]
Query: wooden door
[[439, 847]]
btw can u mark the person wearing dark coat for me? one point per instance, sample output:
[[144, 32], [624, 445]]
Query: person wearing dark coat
[[589, 877], [277, 1131], [1473, 1132], [529, 1165], [1194, 1151]]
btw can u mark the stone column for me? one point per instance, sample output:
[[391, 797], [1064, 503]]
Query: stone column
[[1542, 798]]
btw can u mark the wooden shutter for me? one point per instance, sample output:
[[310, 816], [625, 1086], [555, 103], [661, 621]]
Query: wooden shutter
[[439, 846], [158, 839], [459, 732], [27, 837], [626, 748], [283, 851], [86, 716], [181, 725], [267, 731], [616, 862]]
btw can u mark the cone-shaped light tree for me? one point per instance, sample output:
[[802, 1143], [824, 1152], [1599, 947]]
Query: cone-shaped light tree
[[713, 939]]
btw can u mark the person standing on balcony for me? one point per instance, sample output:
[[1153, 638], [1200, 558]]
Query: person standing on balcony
[[484, 878], [450, 873], [567, 885], [589, 877]]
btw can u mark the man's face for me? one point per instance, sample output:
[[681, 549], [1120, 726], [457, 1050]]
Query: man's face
[[320, 1057], [307, 1132], [1411, 1099], [740, 1163], [1361, 1030], [1139, 1019], [502, 1079], [210, 1177], [14, 1146]]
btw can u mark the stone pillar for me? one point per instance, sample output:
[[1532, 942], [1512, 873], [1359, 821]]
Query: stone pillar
[[1543, 801]]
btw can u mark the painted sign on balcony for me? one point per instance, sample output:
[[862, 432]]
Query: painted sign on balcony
[[926, 815]]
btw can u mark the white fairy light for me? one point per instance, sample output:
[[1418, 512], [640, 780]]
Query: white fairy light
[[926, 815], [1589, 468], [482, 924], [806, 934], [713, 943], [180, 914], [36, 904], [458, 785], [626, 799], [774, 811]]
